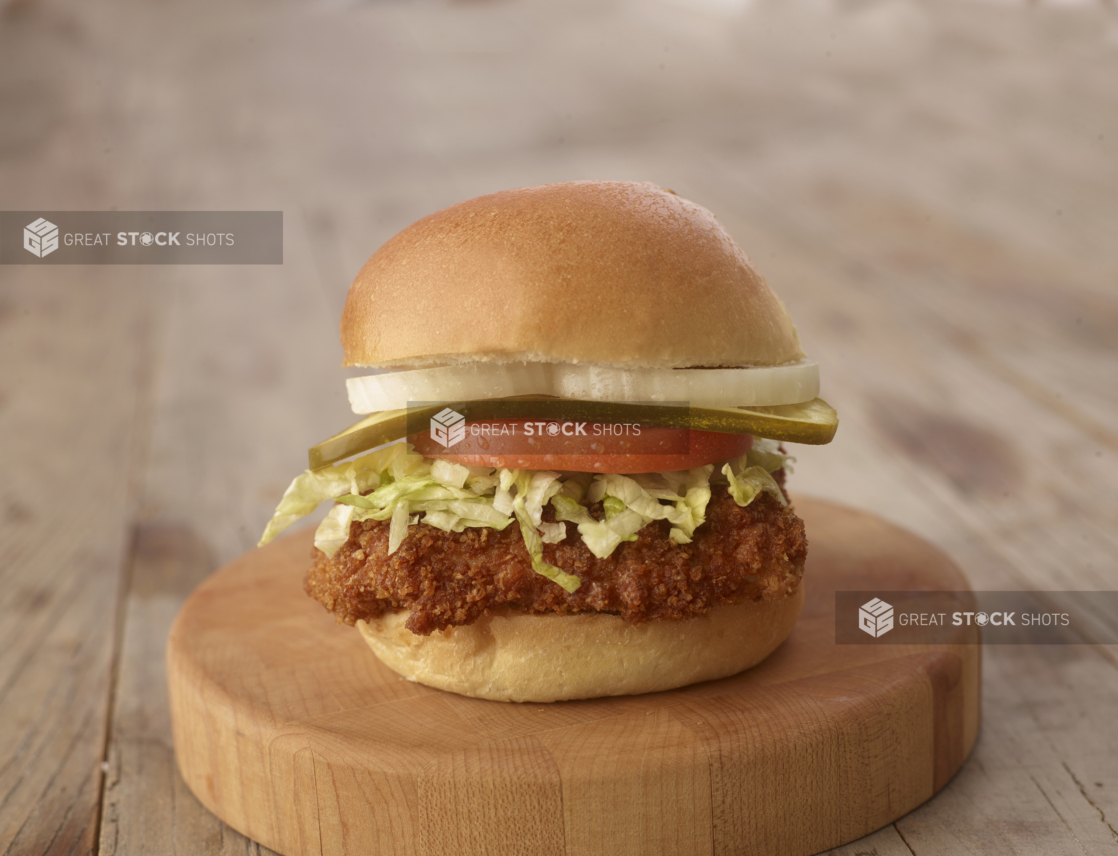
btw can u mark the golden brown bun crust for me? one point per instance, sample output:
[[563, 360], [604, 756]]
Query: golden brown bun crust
[[542, 658], [588, 271]]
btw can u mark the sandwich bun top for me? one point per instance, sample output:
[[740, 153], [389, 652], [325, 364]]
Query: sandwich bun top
[[605, 272]]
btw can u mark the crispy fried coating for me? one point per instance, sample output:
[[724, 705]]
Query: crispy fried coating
[[453, 578]]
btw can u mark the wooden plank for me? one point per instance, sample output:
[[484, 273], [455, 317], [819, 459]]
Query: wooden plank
[[73, 355], [884, 842], [240, 402], [147, 807], [1041, 778], [227, 435]]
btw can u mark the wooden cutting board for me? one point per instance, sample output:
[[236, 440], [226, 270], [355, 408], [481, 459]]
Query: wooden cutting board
[[291, 731]]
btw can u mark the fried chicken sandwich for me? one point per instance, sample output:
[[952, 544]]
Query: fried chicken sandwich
[[571, 481]]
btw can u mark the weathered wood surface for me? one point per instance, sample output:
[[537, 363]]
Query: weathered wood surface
[[929, 186]]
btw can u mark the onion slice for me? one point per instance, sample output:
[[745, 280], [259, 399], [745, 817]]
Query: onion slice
[[758, 386]]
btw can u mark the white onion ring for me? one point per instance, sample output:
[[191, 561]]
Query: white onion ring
[[735, 387]]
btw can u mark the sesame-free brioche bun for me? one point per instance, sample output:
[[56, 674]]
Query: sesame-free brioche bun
[[607, 272], [543, 658]]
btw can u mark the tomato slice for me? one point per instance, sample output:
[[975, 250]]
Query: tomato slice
[[591, 448]]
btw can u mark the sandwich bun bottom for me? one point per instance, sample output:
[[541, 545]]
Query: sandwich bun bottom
[[543, 658]]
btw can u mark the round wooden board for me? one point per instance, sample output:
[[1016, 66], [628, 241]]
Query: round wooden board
[[291, 731]]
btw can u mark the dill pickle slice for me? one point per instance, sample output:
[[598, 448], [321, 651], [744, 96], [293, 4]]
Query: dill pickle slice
[[372, 431], [812, 422]]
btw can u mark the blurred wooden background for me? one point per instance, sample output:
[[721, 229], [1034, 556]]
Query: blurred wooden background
[[932, 187]]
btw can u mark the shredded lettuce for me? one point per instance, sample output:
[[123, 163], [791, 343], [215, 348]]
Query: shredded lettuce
[[766, 453], [751, 474], [333, 532], [313, 487], [398, 530], [534, 543], [745, 485], [601, 537], [393, 484], [613, 506], [553, 533], [449, 474]]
